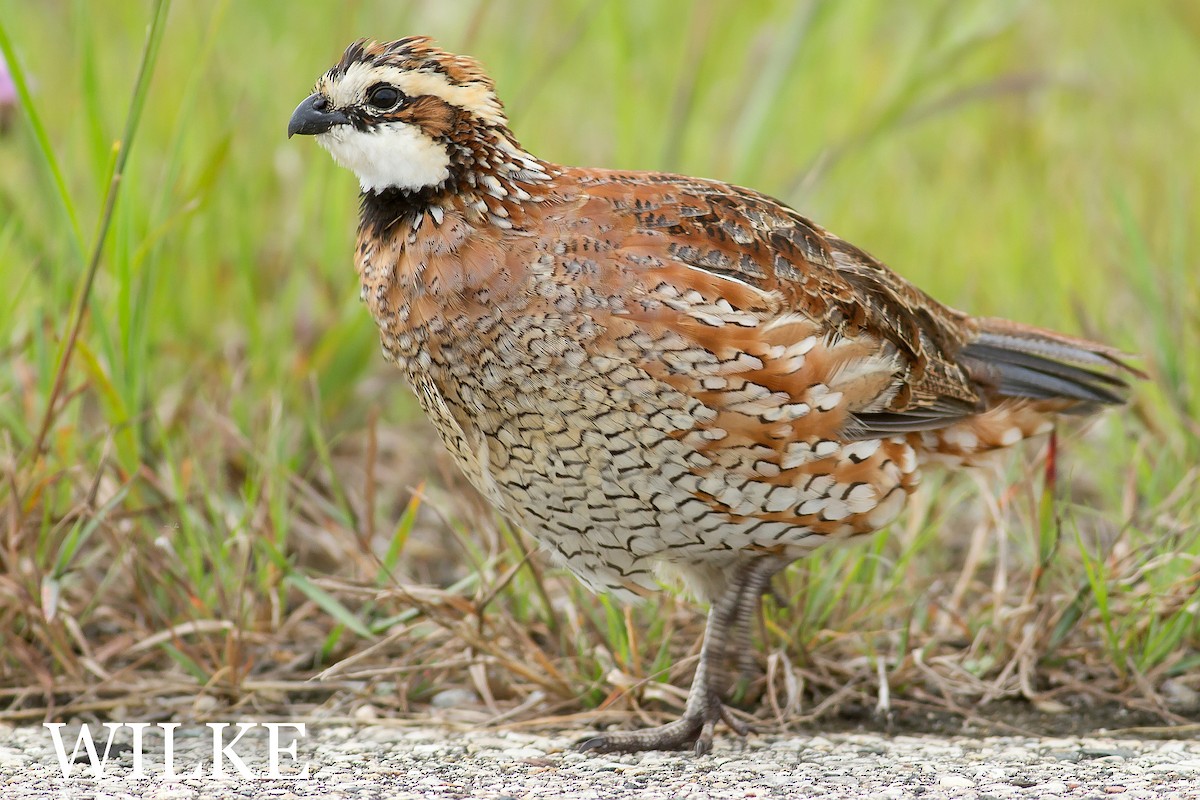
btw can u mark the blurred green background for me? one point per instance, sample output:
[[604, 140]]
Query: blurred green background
[[228, 437]]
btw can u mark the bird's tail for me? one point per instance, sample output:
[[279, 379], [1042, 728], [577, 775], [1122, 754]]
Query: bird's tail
[[1021, 361]]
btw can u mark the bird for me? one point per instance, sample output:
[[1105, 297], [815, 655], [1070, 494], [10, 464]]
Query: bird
[[661, 377]]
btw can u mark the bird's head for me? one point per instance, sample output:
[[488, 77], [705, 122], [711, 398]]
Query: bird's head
[[402, 115]]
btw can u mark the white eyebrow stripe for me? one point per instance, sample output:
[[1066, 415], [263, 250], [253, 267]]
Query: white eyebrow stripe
[[351, 88], [474, 97]]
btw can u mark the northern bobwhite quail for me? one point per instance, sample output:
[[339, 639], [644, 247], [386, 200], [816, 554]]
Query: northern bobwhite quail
[[650, 371]]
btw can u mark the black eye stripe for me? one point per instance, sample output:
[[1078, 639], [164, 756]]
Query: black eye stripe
[[383, 97]]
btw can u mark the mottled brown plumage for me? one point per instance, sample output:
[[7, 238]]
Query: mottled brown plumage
[[650, 371]]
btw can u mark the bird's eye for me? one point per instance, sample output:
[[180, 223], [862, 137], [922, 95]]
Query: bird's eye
[[383, 97]]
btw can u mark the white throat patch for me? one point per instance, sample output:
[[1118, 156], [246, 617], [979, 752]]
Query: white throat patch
[[395, 156]]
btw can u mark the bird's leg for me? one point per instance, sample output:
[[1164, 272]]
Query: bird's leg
[[758, 584], [704, 707]]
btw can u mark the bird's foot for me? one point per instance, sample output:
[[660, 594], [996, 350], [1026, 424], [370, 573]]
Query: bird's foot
[[694, 729]]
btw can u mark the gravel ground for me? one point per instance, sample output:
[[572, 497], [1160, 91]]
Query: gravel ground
[[393, 762]]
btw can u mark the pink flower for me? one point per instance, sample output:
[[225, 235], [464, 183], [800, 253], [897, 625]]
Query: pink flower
[[8, 98], [8, 90]]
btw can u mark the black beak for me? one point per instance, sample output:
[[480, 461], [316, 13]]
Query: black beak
[[314, 115]]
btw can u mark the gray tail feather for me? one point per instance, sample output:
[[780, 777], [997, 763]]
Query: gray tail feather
[[1022, 361]]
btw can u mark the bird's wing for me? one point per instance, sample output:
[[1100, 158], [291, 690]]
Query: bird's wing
[[730, 251]]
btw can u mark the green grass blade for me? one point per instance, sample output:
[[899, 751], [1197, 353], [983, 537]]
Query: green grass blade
[[45, 150], [328, 603]]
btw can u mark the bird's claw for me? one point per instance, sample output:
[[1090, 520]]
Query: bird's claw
[[694, 729]]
